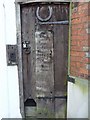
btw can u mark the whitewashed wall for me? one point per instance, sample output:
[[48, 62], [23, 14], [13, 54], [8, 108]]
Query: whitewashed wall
[[78, 99], [9, 89]]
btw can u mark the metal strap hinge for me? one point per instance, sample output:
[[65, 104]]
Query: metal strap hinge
[[11, 51]]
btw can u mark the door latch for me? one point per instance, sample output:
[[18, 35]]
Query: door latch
[[27, 47]]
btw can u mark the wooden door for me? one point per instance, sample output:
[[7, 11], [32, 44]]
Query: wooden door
[[45, 56]]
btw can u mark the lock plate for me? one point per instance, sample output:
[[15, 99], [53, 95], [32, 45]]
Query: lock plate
[[26, 47], [11, 55]]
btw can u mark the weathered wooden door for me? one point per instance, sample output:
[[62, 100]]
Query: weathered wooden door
[[45, 56]]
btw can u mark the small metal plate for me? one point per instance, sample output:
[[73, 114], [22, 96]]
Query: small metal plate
[[11, 55], [70, 79]]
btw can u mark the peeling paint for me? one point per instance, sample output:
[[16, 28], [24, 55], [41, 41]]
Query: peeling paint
[[44, 64]]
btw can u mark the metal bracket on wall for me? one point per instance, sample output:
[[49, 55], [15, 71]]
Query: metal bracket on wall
[[70, 79], [11, 51]]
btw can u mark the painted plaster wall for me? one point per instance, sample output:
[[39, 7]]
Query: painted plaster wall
[[77, 106], [9, 87]]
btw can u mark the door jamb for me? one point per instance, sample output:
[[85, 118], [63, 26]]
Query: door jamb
[[19, 47]]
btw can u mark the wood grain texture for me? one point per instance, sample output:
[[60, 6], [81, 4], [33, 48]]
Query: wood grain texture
[[45, 68]]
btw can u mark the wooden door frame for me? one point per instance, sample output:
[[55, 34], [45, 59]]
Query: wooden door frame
[[19, 46], [18, 3]]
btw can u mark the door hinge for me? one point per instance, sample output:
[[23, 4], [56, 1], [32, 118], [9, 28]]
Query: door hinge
[[70, 79], [11, 51]]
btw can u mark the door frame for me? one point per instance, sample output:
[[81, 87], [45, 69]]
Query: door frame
[[18, 4]]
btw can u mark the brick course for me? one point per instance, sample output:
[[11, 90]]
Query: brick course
[[80, 34]]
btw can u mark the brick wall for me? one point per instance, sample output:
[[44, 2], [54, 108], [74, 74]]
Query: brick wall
[[80, 45]]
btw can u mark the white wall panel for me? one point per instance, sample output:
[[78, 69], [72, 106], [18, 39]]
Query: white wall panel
[[77, 105], [9, 87]]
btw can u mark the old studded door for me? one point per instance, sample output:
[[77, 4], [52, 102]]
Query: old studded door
[[45, 57]]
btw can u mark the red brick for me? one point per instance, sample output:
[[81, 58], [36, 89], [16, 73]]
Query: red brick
[[82, 7], [83, 13], [74, 32], [79, 38], [76, 58], [83, 70], [79, 26], [81, 3], [79, 20], [76, 48], [74, 72], [73, 42], [88, 18], [74, 15], [73, 64], [86, 60], [82, 43], [75, 53]]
